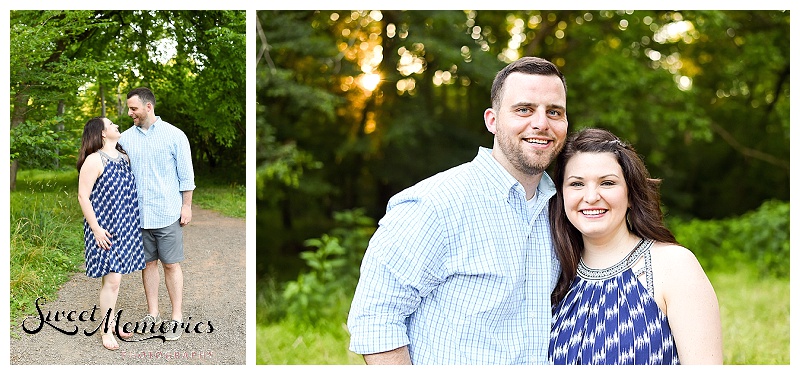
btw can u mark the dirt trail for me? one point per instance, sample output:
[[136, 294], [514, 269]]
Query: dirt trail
[[214, 295]]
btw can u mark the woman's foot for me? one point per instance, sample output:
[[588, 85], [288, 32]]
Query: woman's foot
[[109, 342], [112, 326], [124, 335]]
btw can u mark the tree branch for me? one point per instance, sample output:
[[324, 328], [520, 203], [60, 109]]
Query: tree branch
[[746, 151]]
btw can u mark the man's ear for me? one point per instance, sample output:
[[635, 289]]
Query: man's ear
[[490, 119]]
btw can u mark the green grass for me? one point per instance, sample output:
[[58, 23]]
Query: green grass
[[755, 318], [224, 195], [283, 344], [46, 243], [46, 225], [754, 314]]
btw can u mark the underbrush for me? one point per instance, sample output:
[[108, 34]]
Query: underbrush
[[747, 259]]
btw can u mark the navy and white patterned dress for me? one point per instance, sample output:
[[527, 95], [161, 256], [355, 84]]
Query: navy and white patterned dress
[[609, 317], [116, 207]]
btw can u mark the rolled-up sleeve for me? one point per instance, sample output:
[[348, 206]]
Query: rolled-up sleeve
[[403, 263], [183, 161]]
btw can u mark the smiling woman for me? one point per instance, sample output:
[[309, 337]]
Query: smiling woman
[[596, 196], [109, 201], [628, 292]]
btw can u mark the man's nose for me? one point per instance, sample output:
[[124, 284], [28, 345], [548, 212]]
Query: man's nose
[[539, 120]]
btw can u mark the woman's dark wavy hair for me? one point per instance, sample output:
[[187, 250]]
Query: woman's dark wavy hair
[[92, 140], [645, 217]]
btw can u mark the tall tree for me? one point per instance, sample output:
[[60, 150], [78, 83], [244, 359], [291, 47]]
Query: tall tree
[[45, 72]]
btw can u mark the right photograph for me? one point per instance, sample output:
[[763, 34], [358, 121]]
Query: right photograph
[[522, 187]]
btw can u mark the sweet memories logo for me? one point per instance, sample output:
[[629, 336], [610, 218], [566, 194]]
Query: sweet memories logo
[[95, 320]]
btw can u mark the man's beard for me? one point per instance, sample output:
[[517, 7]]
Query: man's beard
[[511, 148]]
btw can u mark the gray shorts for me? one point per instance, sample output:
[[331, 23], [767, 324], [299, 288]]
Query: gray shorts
[[165, 244]]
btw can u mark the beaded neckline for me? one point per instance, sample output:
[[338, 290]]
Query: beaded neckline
[[118, 158], [588, 273]]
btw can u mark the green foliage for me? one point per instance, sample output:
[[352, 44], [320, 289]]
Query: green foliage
[[322, 292], [81, 64], [36, 145], [754, 313], [702, 95], [759, 239], [305, 324], [203, 87], [282, 165], [45, 247], [223, 192]]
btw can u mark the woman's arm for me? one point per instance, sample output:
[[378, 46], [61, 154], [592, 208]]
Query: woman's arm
[[92, 169], [691, 307]]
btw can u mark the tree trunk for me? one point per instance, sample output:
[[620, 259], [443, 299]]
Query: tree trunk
[[17, 117], [14, 167], [120, 107], [59, 128], [103, 100]]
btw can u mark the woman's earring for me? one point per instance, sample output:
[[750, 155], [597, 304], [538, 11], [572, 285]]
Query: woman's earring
[[628, 220]]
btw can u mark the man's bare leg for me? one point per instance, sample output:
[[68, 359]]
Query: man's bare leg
[[173, 277], [150, 279]]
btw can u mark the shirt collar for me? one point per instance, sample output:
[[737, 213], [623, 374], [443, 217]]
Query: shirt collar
[[497, 176], [150, 129], [500, 179]]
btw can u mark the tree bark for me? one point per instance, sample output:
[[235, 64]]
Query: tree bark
[[59, 128], [17, 117], [103, 100]]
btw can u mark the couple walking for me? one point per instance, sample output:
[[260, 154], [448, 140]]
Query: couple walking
[[135, 190]]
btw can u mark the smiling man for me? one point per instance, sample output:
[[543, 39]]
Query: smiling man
[[161, 161], [461, 267]]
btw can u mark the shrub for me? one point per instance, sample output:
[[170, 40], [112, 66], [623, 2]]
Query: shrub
[[759, 238], [46, 237], [323, 293]]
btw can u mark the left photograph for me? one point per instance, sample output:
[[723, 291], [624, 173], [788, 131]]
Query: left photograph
[[128, 187]]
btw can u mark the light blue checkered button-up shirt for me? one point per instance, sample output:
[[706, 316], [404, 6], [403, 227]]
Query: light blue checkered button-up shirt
[[162, 165], [460, 269]]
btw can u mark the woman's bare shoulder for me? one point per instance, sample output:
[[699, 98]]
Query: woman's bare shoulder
[[672, 252], [675, 260], [92, 163]]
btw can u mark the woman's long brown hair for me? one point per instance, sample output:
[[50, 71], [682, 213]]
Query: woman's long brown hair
[[92, 140], [646, 218]]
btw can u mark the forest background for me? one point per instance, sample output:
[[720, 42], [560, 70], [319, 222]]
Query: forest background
[[354, 106]]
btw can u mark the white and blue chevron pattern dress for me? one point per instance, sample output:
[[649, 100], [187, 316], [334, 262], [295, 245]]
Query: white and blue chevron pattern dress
[[609, 317], [116, 206]]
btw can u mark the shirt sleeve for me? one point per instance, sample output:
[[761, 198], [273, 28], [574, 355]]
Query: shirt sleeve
[[183, 161], [404, 262]]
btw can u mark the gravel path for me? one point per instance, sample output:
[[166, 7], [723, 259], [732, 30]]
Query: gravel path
[[214, 295]]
